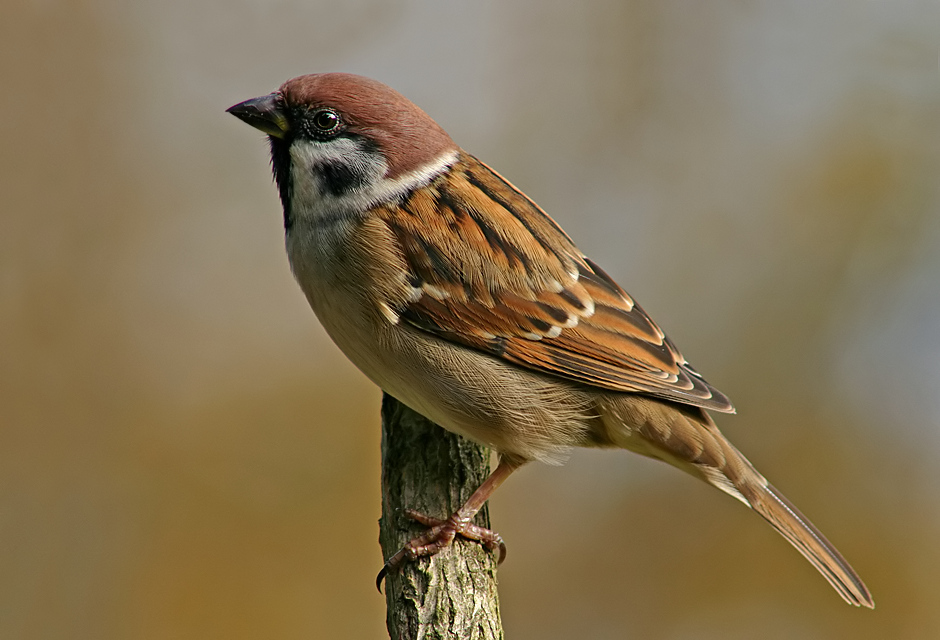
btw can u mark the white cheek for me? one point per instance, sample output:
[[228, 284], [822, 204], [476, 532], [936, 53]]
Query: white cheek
[[310, 197], [311, 201]]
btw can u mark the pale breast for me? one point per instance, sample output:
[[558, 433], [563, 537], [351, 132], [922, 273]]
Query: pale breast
[[345, 272]]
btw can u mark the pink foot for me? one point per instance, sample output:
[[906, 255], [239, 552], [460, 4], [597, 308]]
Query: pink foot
[[440, 535]]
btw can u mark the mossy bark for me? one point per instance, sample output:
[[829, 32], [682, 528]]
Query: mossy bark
[[451, 595]]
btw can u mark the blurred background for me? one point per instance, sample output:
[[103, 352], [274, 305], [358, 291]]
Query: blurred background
[[184, 454]]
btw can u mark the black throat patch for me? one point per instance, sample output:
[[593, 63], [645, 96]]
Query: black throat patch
[[281, 166]]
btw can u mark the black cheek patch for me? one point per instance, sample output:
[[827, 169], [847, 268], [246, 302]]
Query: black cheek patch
[[338, 178]]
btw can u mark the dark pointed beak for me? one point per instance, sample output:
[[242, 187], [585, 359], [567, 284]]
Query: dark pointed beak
[[265, 113]]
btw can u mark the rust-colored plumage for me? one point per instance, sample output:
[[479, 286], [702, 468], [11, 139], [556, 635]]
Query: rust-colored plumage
[[458, 295], [496, 273], [403, 133]]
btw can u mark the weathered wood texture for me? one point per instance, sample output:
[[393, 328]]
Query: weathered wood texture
[[453, 594]]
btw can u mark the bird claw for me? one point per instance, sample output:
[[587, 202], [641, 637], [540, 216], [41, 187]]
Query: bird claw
[[439, 536]]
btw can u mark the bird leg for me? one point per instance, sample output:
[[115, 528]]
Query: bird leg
[[441, 533]]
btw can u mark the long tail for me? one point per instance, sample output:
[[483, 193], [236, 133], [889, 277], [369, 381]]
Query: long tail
[[808, 540], [688, 438]]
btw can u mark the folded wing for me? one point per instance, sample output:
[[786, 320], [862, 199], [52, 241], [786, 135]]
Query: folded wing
[[491, 271]]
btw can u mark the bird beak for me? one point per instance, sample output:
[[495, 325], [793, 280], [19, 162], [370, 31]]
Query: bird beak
[[264, 113]]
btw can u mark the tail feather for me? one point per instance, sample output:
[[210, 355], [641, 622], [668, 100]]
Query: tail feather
[[774, 507], [688, 438], [737, 476]]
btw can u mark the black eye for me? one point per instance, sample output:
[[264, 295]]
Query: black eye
[[326, 121]]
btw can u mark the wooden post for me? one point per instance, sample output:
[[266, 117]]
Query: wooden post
[[451, 595]]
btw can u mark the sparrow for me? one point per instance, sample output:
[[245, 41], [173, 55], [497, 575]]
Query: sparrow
[[456, 294]]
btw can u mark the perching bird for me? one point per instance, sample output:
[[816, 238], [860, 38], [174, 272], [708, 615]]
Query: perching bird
[[456, 294]]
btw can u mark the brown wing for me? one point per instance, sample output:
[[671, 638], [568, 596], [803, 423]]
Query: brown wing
[[492, 271]]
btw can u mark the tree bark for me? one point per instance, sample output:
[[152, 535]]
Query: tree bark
[[451, 595]]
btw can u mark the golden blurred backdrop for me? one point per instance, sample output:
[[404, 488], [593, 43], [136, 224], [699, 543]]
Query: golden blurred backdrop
[[183, 454]]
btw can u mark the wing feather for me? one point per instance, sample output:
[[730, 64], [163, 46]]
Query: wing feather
[[491, 271]]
